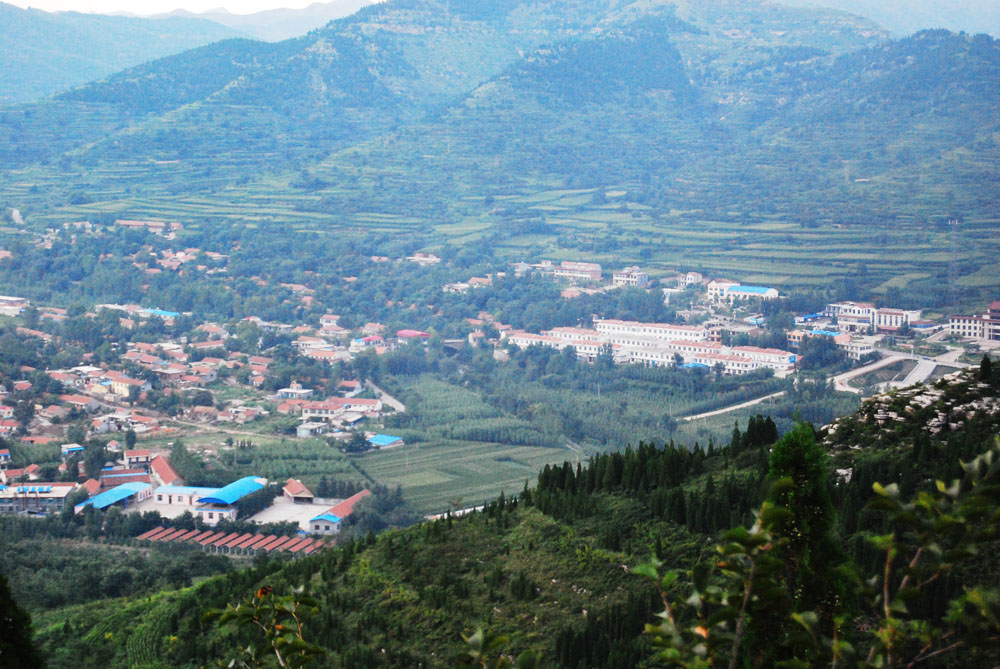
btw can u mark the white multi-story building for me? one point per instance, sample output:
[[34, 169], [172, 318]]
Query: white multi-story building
[[986, 327], [651, 344], [667, 331], [577, 271], [630, 276]]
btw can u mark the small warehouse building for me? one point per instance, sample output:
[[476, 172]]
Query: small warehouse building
[[296, 492], [329, 521], [126, 496], [221, 505], [385, 441]]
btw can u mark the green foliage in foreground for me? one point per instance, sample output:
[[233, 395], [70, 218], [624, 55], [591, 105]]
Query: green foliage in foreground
[[932, 536]]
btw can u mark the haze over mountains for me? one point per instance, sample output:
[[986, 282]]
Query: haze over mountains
[[277, 24], [904, 17], [43, 53], [737, 110]]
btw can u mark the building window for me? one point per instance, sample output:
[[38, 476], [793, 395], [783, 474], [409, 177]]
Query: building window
[[159, 498], [326, 527], [211, 515]]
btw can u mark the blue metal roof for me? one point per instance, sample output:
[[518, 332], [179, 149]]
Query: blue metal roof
[[383, 439], [757, 290], [326, 516], [117, 494], [825, 333], [161, 312], [694, 365], [34, 488], [235, 491]]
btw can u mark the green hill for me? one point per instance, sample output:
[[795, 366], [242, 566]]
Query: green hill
[[773, 144], [553, 569]]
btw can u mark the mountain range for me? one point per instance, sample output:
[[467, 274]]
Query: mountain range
[[42, 53], [735, 110], [273, 25]]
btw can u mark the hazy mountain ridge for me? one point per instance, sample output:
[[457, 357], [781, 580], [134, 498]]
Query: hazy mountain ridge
[[277, 24], [904, 18], [43, 53]]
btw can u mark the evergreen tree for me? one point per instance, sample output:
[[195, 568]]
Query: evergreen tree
[[17, 650]]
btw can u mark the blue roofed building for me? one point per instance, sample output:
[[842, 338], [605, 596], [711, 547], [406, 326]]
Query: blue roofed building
[[126, 496], [221, 504], [384, 441]]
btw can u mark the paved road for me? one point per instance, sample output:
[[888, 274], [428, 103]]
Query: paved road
[[734, 407], [386, 397], [840, 381]]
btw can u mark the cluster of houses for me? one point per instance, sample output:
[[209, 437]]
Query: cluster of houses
[[657, 345], [141, 482]]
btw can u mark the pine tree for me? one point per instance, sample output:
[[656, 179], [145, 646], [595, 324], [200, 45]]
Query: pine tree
[[17, 650]]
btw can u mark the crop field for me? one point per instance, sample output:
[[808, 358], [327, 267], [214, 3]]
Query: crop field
[[436, 474]]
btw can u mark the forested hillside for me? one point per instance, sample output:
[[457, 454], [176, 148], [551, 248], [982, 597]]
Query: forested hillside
[[43, 53], [553, 568], [780, 144]]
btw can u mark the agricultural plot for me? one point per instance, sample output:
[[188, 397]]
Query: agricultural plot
[[437, 474]]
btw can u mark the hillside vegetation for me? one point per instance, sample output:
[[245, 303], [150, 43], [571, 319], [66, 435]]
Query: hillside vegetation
[[772, 144], [552, 569]]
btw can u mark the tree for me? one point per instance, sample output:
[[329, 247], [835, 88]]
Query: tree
[[17, 650], [279, 622], [130, 439], [933, 535]]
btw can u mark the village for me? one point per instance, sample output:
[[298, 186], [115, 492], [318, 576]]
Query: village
[[225, 387]]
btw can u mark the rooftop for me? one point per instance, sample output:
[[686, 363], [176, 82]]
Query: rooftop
[[235, 491], [117, 494]]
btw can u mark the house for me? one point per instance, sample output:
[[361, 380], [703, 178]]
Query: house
[[4, 457], [329, 521], [121, 386], [81, 402], [295, 391], [221, 504], [8, 427], [693, 279], [114, 477], [161, 470], [296, 493], [403, 336], [71, 449], [630, 276], [577, 271], [137, 458], [310, 429]]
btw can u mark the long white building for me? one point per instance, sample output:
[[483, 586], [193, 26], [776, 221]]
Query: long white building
[[656, 344], [667, 331]]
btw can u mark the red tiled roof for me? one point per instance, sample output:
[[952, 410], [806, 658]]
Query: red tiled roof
[[346, 508], [294, 487], [148, 533], [281, 543], [138, 453], [161, 467]]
